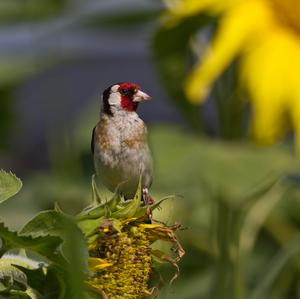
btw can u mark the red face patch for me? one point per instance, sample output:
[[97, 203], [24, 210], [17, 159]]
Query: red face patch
[[127, 91]]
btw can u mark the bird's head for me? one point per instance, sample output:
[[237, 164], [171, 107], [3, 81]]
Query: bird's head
[[123, 96]]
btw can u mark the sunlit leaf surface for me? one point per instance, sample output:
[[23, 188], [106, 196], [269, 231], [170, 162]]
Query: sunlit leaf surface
[[9, 185]]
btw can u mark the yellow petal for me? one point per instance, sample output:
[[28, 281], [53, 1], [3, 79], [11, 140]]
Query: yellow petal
[[237, 29], [128, 220], [97, 263], [150, 225], [271, 72]]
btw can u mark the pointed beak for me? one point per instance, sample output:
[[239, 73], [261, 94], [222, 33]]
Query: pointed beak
[[141, 96]]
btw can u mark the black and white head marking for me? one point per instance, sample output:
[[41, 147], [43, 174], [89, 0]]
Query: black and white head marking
[[125, 96], [105, 98]]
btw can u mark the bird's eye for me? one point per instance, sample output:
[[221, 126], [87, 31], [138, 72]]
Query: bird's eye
[[124, 91]]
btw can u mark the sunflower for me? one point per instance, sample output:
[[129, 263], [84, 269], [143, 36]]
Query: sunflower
[[265, 36], [119, 236]]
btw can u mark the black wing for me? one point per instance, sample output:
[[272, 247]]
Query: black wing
[[93, 140]]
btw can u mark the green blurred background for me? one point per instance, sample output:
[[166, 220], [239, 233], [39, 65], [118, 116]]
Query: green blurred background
[[239, 203]]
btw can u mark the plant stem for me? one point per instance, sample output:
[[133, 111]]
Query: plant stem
[[229, 276]]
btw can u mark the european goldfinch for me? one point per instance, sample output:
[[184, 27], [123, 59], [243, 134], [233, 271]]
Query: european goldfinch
[[119, 142]]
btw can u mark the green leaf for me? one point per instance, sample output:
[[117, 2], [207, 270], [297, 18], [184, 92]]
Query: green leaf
[[20, 269], [33, 294], [89, 226], [74, 247], [256, 215], [95, 192], [238, 170], [88, 220], [56, 224], [2, 287], [12, 273], [48, 222], [9, 185], [100, 210], [275, 267], [44, 245], [24, 262], [130, 209], [44, 282]]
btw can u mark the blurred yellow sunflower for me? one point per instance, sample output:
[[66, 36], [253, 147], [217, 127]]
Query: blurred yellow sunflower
[[265, 34]]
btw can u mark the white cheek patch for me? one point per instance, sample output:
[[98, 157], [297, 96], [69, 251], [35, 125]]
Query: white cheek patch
[[114, 98], [114, 88]]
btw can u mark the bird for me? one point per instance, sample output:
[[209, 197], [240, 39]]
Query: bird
[[119, 142]]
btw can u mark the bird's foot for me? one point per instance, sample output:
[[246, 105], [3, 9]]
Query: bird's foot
[[148, 200]]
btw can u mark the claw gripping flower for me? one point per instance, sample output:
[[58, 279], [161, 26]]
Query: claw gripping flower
[[120, 237]]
